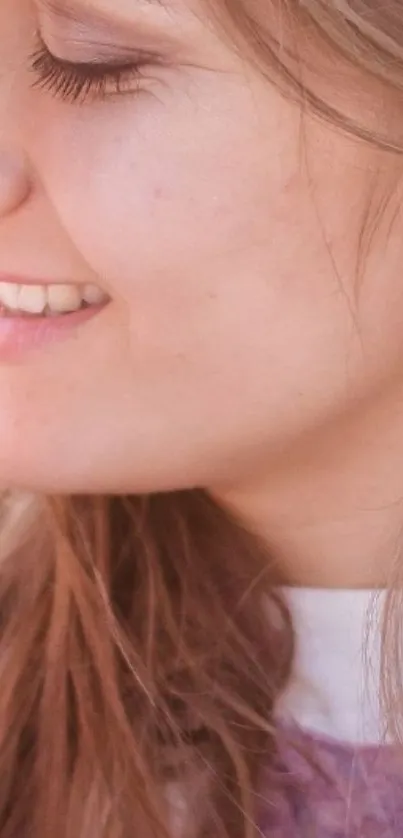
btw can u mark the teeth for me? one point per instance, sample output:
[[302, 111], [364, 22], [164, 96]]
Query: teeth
[[62, 298], [9, 294], [92, 294], [32, 298], [48, 299]]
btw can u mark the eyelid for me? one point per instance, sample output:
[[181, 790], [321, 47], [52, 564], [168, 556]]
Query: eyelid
[[87, 48], [140, 36], [155, 27], [106, 60], [68, 14]]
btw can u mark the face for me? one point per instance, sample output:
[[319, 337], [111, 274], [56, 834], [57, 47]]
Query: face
[[234, 329]]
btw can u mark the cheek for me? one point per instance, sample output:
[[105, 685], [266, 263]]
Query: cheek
[[193, 238], [141, 223], [149, 196]]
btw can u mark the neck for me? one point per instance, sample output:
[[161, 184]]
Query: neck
[[332, 516]]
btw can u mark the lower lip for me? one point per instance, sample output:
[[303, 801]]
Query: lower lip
[[21, 335]]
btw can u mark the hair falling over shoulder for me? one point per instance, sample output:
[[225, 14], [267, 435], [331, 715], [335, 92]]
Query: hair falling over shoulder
[[136, 662]]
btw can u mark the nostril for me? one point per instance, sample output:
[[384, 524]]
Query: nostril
[[15, 183]]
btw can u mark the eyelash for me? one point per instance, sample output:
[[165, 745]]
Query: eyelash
[[74, 83]]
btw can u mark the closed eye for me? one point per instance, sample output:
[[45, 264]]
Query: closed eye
[[77, 82]]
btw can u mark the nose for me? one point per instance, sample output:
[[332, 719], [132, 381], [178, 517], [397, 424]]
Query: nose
[[15, 184]]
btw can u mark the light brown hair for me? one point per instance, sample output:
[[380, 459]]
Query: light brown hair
[[143, 639]]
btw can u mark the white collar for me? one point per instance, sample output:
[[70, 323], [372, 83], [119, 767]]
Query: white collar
[[334, 688]]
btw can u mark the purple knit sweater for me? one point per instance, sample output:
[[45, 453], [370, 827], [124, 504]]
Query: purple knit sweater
[[327, 789]]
